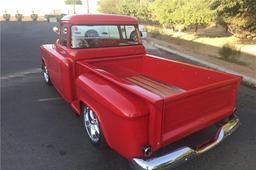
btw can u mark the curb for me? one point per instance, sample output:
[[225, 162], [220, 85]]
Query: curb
[[248, 80]]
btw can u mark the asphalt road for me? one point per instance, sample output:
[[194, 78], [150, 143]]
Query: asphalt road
[[39, 130]]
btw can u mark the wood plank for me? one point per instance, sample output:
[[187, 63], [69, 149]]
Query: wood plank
[[147, 87], [157, 87], [164, 85]]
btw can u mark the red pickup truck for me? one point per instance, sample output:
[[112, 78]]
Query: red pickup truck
[[136, 103]]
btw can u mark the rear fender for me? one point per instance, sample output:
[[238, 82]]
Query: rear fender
[[120, 101], [123, 116]]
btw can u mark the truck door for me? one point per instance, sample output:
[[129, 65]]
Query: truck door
[[58, 58]]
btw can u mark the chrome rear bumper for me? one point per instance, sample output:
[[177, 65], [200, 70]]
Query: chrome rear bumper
[[185, 153]]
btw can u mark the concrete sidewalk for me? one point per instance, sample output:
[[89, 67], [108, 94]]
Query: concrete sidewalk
[[208, 61]]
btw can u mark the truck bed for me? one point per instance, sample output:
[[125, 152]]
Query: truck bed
[[158, 75], [192, 97]]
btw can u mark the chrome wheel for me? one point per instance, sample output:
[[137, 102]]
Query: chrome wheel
[[91, 125], [46, 75]]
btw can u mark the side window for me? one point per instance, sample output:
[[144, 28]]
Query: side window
[[129, 32], [123, 32], [63, 35]]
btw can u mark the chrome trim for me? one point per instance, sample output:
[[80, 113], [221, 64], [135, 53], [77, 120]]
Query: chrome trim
[[147, 151], [45, 73], [91, 124], [185, 153]]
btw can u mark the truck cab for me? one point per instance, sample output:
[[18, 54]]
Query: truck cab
[[134, 102]]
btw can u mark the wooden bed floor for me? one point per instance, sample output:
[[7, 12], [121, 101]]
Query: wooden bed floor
[[154, 86]]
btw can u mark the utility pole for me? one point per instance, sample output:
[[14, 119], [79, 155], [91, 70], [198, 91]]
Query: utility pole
[[88, 9]]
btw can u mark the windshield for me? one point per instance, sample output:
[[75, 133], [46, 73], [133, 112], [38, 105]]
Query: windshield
[[95, 36]]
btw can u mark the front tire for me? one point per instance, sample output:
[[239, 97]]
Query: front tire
[[46, 75], [92, 127]]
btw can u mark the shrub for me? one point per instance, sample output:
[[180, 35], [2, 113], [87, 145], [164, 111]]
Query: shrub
[[58, 17], [7, 17], [34, 16], [19, 16], [229, 52], [155, 34], [47, 17]]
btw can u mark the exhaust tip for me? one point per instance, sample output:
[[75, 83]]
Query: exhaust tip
[[147, 151]]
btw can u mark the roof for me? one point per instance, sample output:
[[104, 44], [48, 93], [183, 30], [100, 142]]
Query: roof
[[99, 19]]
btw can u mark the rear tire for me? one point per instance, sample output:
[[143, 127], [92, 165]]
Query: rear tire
[[46, 75], [92, 127]]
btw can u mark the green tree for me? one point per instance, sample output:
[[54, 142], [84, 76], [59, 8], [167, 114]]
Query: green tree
[[194, 14], [163, 11], [237, 15], [143, 11], [71, 2], [185, 12], [129, 7], [166, 12], [109, 6], [137, 8]]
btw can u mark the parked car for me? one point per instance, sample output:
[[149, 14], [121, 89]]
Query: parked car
[[136, 103]]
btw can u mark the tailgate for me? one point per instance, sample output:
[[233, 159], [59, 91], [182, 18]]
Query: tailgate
[[197, 109]]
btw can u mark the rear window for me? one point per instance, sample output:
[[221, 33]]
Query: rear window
[[96, 36]]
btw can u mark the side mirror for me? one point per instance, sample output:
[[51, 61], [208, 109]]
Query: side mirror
[[55, 29]]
